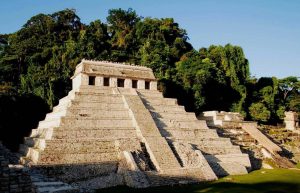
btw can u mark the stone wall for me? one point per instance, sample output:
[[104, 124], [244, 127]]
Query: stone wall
[[130, 76], [235, 120], [291, 120], [216, 118], [13, 178]]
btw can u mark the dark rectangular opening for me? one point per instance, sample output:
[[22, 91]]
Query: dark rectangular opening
[[121, 82], [92, 80], [134, 83], [105, 81], [147, 85]]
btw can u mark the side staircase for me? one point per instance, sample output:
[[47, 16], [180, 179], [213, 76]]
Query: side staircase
[[288, 140], [178, 126], [259, 150]]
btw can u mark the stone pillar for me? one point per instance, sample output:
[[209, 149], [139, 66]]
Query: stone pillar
[[99, 81], [141, 84], [84, 79], [153, 85], [113, 82], [291, 120], [78, 80], [128, 83]]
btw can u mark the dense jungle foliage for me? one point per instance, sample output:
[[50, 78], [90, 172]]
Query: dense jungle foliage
[[37, 61]]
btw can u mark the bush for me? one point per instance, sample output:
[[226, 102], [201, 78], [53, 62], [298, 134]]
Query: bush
[[259, 112]]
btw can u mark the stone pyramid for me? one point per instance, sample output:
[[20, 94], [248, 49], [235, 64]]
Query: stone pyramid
[[116, 128]]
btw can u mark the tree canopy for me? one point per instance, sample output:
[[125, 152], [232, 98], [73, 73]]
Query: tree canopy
[[40, 58]]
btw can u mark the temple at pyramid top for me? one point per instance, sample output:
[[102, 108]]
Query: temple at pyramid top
[[102, 73]]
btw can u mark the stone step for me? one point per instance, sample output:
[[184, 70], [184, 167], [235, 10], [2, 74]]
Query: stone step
[[43, 133], [93, 128], [80, 146], [189, 134], [174, 116], [99, 107], [244, 145], [242, 159], [88, 122], [196, 124], [218, 142], [87, 114], [54, 187], [96, 133], [160, 101], [66, 99], [49, 124], [75, 158], [160, 108], [82, 135], [179, 176], [87, 145], [93, 131], [38, 143], [147, 92], [89, 96], [148, 95], [105, 98], [56, 114], [96, 104], [206, 129], [53, 157], [95, 89], [217, 150], [99, 112], [30, 153], [61, 107], [44, 184], [93, 105], [228, 168], [34, 132], [189, 124]]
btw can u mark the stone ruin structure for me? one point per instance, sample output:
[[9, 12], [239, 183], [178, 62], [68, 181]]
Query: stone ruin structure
[[116, 128], [291, 120], [13, 177], [233, 120], [247, 135], [222, 118]]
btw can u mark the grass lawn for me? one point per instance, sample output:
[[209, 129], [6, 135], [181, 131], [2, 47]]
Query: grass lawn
[[260, 181]]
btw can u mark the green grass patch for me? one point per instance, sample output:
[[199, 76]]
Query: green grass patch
[[260, 181], [298, 165]]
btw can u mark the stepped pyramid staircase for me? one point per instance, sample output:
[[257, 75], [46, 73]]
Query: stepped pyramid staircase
[[102, 136], [247, 143]]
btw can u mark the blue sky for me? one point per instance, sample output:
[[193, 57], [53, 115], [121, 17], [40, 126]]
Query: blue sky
[[267, 30]]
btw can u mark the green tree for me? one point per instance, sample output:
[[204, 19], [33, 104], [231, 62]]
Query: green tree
[[235, 67], [290, 93], [206, 82], [163, 43], [121, 28], [259, 112]]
